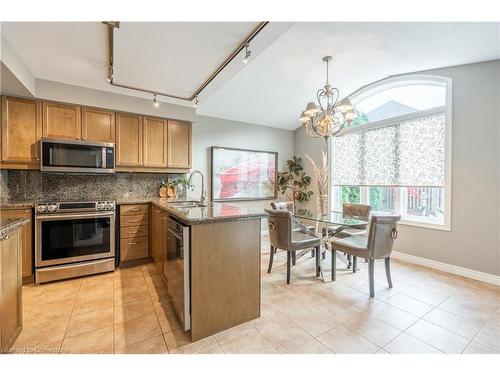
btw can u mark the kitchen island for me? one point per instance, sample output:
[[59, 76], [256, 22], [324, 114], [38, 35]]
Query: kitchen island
[[224, 263]]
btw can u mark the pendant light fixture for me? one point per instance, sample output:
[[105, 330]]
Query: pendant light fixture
[[156, 103], [328, 117]]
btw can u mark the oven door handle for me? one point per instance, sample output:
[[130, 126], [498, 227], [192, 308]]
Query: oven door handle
[[87, 215]]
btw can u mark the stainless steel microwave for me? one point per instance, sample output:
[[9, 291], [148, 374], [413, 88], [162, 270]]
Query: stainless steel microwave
[[73, 156]]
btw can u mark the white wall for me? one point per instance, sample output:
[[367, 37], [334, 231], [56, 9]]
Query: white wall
[[474, 239]]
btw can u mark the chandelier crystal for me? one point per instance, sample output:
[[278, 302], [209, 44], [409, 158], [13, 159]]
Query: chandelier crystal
[[328, 117]]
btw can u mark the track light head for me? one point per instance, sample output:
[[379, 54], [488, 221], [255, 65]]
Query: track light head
[[156, 103], [247, 54], [195, 104]]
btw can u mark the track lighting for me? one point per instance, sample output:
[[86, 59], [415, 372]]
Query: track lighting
[[156, 103], [247, 53], [195, 101]]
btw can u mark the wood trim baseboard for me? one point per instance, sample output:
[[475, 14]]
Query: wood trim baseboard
[[450, 268]]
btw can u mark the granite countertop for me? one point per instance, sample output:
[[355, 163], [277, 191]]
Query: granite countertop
[[213, 212], [7, 225], [20, 205]]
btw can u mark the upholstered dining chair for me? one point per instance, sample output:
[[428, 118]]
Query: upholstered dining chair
[[378, 245], [355, 210], [296, 225], [283, 237]]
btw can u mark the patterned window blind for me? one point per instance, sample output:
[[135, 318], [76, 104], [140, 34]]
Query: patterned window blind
[[408, 153]]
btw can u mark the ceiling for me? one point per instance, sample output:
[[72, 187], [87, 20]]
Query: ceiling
[[285, 70]]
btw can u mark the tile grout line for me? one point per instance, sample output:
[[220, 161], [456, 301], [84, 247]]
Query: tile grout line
[[71, 314], [156, 313]]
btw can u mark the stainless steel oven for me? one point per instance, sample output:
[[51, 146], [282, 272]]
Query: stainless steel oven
[[178, 270], [73, 156], [73, 239]]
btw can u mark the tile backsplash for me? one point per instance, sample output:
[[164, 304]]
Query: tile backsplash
[[33, 186]]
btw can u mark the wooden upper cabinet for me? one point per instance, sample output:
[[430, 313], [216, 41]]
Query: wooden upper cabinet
[[98, 125], [21, 130], [154, 134], [179, 144], [128, 140], [61, 121]]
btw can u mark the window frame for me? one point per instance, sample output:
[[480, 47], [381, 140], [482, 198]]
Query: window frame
[[398, 81]]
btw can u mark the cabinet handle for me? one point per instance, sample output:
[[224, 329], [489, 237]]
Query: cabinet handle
[[135, 221], [132, 243], [135, 209]]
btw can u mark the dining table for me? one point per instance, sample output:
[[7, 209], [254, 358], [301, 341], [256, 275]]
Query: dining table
[[327, 226]]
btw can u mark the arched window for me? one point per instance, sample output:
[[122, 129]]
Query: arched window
[[396, 155]]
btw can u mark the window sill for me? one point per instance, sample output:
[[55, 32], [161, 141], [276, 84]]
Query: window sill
[[421, 224]]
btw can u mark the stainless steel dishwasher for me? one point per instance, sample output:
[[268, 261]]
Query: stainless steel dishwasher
[[178, 270]]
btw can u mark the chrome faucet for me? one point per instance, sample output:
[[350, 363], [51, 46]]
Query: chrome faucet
[[203, 197]]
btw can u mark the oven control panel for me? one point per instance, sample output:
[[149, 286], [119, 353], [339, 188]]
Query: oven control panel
[[53, 207]]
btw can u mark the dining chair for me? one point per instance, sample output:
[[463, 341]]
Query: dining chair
[[297, 225], [354, 210], [378, 245], [282, 236]]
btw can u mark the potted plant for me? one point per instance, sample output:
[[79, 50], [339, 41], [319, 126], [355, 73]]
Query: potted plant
[[294, 183], [175, 187]]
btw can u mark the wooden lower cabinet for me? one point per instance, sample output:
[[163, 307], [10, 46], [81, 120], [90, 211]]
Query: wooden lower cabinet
[[26, 240], [134, 232], [159, 238], [11, 316]]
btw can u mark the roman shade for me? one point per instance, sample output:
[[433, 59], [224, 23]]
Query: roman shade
[[404, 153]]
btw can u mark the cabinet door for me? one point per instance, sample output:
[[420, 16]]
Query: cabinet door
[[21, 130], [25, 239], [155, 142], [11, 318], [61, 121], [98, 125], [162, 248], [128, 140], [179, 144]]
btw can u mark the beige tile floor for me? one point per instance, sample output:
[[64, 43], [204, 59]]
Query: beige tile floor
[[128, 312]]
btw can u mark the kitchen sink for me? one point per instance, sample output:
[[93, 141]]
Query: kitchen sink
[[186, 204]]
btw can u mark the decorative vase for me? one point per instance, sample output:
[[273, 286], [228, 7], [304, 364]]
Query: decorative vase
[[163, 192], [323, 203], [180, 192]]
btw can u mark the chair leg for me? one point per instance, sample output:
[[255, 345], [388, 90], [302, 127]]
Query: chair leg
[[371, 278], [294, 258], [388, 271], [349, 263], [334, 265], [271, 258], [318, 251], [288, 266], [354, 263], [312, 253]]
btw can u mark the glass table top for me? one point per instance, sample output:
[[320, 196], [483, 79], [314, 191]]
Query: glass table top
[[333, 217]]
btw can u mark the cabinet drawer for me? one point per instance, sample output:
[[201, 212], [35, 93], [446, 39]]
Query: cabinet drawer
[[136, 231], [133, 220], [134, 248], [133, 209]]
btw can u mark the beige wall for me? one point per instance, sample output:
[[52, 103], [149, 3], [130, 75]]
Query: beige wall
[[474, 239]]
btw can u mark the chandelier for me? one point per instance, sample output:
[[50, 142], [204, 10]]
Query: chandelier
[[330, 117]]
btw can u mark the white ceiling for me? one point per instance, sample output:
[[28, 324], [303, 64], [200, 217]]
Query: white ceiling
[[274, 89], [285, 71]]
